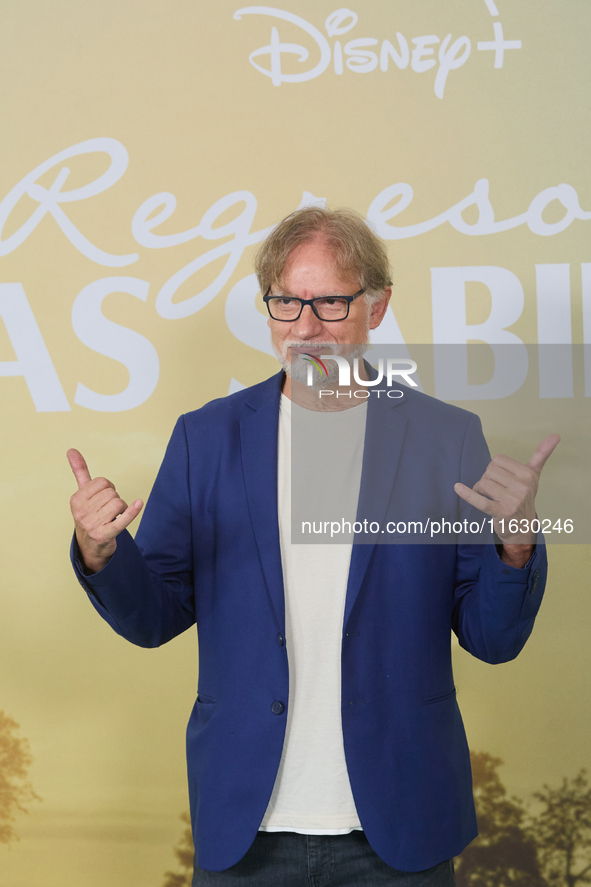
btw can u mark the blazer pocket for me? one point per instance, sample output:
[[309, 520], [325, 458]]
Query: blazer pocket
[[440, 698]]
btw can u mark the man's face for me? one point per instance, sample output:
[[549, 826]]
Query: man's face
[[310, 271]]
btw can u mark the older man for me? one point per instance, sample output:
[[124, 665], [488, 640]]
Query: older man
[[325, 746]]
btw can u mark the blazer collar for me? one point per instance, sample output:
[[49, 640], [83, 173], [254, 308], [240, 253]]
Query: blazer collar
[[384, 437]]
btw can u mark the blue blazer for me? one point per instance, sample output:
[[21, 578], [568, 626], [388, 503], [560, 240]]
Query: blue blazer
[[207, 551]]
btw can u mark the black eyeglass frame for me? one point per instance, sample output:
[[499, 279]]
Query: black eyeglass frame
[[303, 302]]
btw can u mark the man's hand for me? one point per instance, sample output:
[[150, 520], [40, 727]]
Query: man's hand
[[507, 492], [99, 514]]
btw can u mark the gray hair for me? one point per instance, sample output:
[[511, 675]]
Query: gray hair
[[357, 249]]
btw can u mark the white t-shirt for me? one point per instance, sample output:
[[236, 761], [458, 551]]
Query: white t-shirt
[[312, 793]]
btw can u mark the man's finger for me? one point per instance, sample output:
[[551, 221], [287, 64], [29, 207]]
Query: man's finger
[[124, 519], [543, 451], [475, 499], [79, 467]]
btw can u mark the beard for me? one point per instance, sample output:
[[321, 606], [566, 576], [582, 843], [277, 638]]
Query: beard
[[298, 368]]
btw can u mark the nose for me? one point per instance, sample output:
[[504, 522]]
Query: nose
[[307, 326]]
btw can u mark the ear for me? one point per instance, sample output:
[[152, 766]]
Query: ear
[[378, 309]]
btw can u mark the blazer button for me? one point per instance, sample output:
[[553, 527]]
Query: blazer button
[[534, 584], [280, 639], [277, 708]]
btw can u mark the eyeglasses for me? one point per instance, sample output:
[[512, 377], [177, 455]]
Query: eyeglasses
[[328, 308]]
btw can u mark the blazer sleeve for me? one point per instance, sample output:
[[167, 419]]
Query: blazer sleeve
[[145, 592], [494, 605]]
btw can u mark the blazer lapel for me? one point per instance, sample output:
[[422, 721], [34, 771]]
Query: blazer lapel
[[384, 437], [258, 441]]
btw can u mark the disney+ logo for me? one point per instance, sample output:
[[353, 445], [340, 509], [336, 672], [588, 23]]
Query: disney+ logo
[[365, 54]]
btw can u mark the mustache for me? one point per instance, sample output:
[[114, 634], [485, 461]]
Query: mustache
[[330, 347]]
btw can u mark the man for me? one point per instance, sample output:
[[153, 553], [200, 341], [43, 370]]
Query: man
[[350, 767]]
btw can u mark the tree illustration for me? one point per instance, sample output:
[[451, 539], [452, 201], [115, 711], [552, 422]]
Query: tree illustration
[[184, 855], [504, 853], [15, 789], [562, 831]]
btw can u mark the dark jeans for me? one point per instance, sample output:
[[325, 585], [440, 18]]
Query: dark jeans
[[286, 859]]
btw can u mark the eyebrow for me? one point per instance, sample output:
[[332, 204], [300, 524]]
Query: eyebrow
[[284, 295]]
